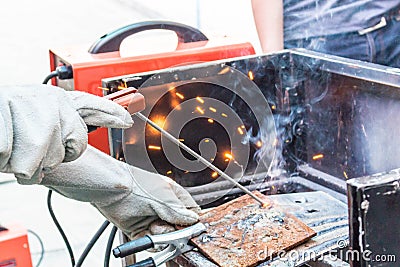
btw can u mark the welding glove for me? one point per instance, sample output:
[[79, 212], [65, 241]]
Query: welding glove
[[42, 126], [129, 197]]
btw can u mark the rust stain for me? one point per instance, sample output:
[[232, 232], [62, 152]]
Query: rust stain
[[241, 233]]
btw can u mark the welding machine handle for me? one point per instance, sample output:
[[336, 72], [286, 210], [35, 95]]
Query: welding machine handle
[[111, 42]]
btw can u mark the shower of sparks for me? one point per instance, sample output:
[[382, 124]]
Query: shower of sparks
[[169, 172], [251, 76], [214, 175], [224, 115], [199, 99], [259, 144], [318, 156], [180, 95], [199, 109], [240, 131], [223, 71], [345, 175], [210, 120], [154, 147], [212, 109]]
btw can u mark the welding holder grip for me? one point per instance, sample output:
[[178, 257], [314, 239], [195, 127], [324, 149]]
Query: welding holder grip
[[133, 247], [111, 42]]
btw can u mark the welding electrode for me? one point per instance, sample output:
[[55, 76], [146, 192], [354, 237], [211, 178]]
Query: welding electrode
[[197, 156]]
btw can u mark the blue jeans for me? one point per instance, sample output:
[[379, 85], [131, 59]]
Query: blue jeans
[[381, 46]]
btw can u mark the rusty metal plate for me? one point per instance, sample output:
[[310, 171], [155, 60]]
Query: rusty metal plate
[[241, 233]]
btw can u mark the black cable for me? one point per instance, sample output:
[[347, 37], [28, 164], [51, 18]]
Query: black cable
[[64, 237], [49, 206], [109, 246], [91, 243], [50, 76], [41, 247]]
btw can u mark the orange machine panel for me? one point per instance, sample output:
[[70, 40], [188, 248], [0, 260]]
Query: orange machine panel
[[103, 60], [14, 247]]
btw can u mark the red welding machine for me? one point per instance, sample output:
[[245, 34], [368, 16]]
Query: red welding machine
[[103, 60], [14, 247]]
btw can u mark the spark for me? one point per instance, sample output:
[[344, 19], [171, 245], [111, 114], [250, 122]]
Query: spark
[[210, 120], [169, 172], [180, 95], [154, 147], [223, 71], [224, 115], [212, 109], [200, 110], [345, 175], [240, 131], [273, 107], [103, 88], [199, 99], [251, 76], [214, 175], [121, 87], [228, 156], [317, 156], [181, 140], [259, 143], [207, 140]]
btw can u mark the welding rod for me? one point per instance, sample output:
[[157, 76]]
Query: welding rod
[[197, 156]]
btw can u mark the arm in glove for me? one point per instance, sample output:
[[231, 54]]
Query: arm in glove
[[42, 126], [129, 197]]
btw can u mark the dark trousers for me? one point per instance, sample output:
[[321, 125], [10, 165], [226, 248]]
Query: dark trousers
[[381, 46]]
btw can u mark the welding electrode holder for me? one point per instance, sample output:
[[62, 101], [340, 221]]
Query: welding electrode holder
[[177, 243], [111, 42]]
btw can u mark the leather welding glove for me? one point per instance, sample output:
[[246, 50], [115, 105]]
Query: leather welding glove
[[129, 197], [43, 125]]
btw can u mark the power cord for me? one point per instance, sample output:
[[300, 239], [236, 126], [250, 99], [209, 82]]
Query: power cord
[[65, 72], [91, 243], [41, 247], [109, 246]]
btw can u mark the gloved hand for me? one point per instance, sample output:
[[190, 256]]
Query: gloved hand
[[42, 126], [129, 197]]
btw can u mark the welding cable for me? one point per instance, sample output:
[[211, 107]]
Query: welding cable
[[49, 206], [109, 246], [91, 243], [41, 247], [60, 230], [52, 75]]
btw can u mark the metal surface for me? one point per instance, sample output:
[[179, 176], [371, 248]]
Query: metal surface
[[240, 233], [374, 222], [200, 158], [323, 213]]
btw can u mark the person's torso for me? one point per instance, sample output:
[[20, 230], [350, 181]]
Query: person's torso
[[311, 18]]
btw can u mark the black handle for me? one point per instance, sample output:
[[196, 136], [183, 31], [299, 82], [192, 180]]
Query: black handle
[[111, 42], [149, 262], [133, 247]]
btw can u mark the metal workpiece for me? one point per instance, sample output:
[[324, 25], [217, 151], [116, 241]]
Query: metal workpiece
[[374, 203], [323, 213]]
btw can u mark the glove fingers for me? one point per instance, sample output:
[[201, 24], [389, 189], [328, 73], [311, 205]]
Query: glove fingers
[[185, 197], [175, 214], [98, 111]]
